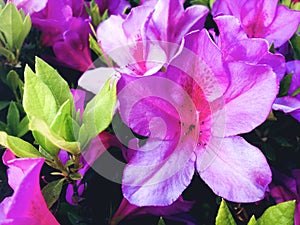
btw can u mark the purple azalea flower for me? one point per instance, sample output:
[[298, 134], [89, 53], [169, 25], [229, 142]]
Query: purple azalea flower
[[114, 7], [285, 188], [65, 27], [261, 18], [192, 114], [149, 36], [291, 103], [234, 44], [127, 210], [27, 204]]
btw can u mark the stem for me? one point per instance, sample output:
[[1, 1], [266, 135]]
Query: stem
[[60, 166], [76, 158]]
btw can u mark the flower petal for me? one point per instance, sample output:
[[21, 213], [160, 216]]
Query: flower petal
[[27, 200], [239, 171], [249, 99]]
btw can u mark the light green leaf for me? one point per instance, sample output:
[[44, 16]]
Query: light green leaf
[[99, 111], [18, 146], [51, 192], [26, 26], [161, 221], [95, 46], [55, 83], [7, 53], [38, 100], [282, 213], [62, 123], [224, 216], [252, 221], [11, 24], [43, 129], [296, 92], [13, 118]]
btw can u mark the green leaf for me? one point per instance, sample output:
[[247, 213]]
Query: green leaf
[[296, 92], [252, 221], [18, 146], [285, 84], [55, 83], [26, 26], [161, 221], [38, 100], [13, 118], [43, 129], [23, 127], [12, 80], [4, 104], [7, 53], [75, 176], [295, 42], [224, 216], [95, 46], [282, 213], [11, 24], [51, 192], [99, 111], [62, 123]]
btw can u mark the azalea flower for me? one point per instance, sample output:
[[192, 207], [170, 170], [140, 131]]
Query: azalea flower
[[291, 103], [191, 115], [114, 7], [148, 37], [127, 210], [284, 188], [236, 46], [261, 18], [26, 205], [65, 27]]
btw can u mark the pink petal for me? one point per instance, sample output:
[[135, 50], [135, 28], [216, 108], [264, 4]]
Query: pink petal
[[249, 99], [27, 200], [239, 171], [278, 32]]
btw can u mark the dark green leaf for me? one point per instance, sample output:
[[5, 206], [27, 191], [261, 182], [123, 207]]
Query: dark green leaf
[[23, 127], [295, 42], [75, 176], [161, 221], [51, 192], [13, 118], [3, 104], [285, 84]]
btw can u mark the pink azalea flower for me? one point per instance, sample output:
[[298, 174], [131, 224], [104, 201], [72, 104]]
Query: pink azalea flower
[[285, 188], [26, 205], [191, 115], [142, 42], [291, 103], [261, 18]]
